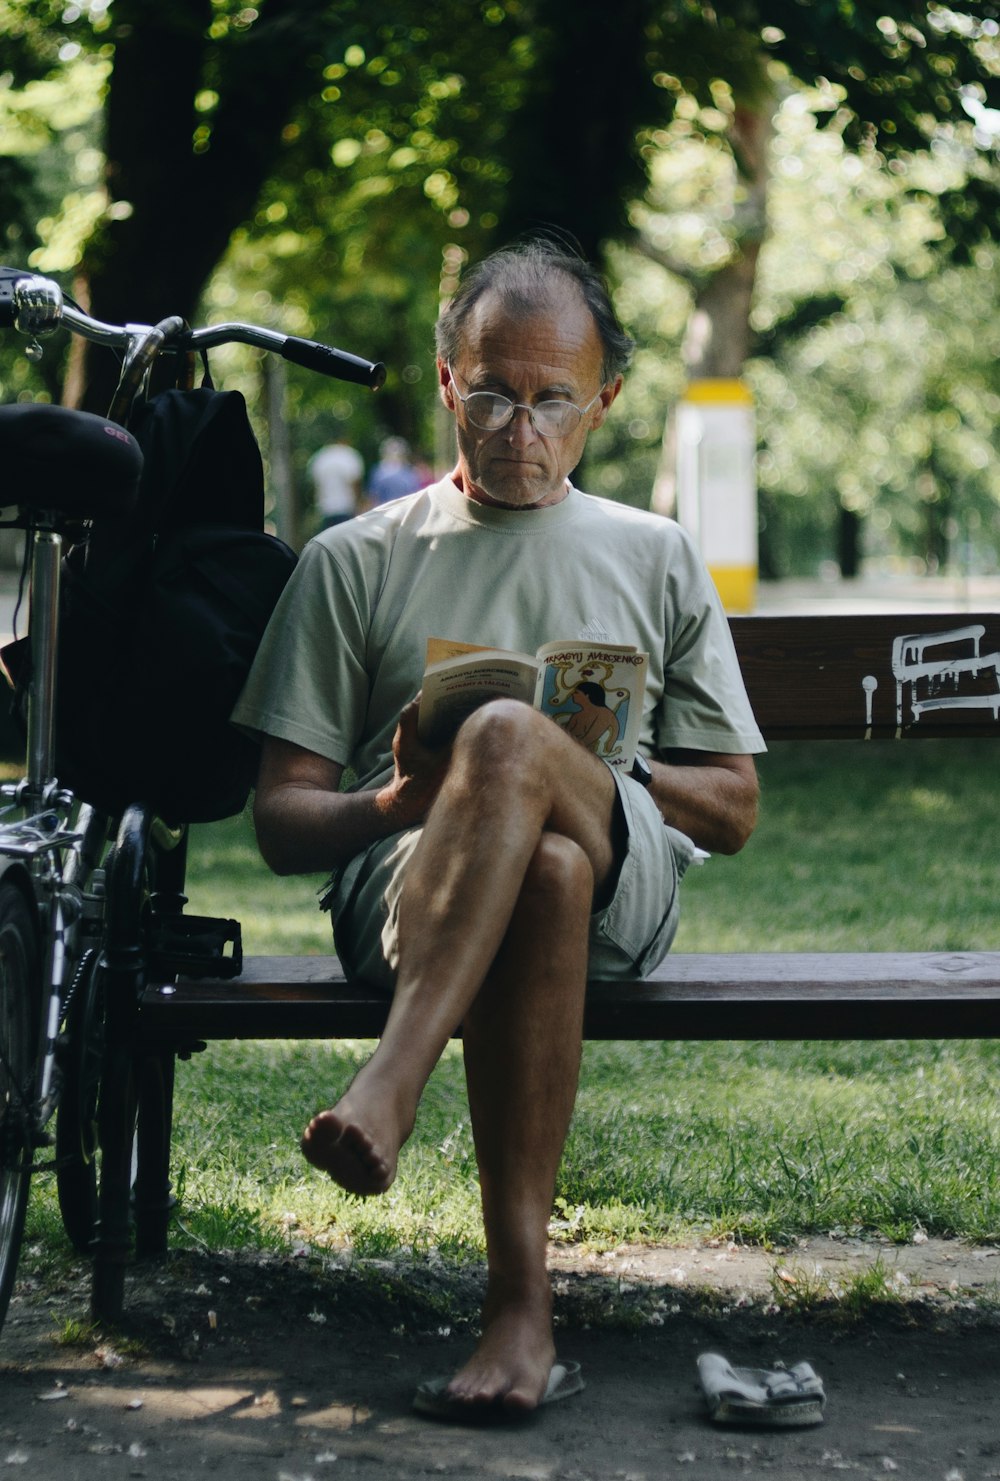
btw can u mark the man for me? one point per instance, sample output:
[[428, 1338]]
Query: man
[[336, 472], [393, 476], [455, 869]]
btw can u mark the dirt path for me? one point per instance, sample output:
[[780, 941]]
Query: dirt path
[[285, 1369]]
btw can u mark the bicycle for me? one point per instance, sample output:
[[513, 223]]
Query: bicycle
[[88, 900]]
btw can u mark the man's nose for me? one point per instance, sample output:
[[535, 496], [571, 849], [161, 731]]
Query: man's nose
[[521, 427]]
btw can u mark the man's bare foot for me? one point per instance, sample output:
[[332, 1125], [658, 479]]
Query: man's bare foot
[[339, 1146], [358, 1140], [512, 1363]]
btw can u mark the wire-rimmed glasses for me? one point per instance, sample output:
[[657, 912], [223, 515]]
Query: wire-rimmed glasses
[[489, 411]]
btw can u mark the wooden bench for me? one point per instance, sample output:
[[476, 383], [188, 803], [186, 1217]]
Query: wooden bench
[[880, 678]]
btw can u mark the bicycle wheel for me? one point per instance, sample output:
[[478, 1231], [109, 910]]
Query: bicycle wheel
[[18, 1028], [76, 1119], [78, 1151]]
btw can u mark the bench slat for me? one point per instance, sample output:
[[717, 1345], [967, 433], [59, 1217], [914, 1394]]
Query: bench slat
[[770, 995]]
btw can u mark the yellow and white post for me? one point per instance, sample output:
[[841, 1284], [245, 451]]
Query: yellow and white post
[[717, 484]]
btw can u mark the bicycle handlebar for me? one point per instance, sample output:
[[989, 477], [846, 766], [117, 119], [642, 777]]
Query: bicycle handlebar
[[35, 305]]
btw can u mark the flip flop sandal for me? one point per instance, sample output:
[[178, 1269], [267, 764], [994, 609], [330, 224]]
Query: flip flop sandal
[[432, 1399], [783, 1397]]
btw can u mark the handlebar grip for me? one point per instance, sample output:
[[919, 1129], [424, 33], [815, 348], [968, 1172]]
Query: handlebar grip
[[338, 363], [29, 303]]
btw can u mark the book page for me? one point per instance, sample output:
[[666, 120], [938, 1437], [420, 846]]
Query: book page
[[438, 649], [456, 686]]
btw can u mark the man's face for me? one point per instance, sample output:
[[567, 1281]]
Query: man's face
[[552, 355]]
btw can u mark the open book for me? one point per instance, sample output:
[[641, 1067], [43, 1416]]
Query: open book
[[594, 690]]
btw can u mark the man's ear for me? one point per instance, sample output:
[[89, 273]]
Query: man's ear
[[609, 393], [446, 385]]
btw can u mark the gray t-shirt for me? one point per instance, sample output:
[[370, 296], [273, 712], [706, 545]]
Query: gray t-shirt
[[344, 651]]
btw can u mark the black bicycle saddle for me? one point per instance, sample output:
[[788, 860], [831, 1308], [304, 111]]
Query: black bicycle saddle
[[74, 462]]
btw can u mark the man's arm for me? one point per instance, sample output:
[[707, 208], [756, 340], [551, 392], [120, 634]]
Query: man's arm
[[306, 826], [709, 795]]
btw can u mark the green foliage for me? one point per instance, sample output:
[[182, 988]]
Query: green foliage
[[888, 402], [905, 83], [874, 364], [331, 166], [33, 38]]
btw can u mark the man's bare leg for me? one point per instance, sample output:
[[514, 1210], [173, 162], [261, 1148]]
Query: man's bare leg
[[514, 776], [522, 1040]]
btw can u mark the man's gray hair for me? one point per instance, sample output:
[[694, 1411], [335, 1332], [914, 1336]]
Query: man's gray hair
[[524, 276]]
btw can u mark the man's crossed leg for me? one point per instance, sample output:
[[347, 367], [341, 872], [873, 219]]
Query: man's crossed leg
[[523, 841]]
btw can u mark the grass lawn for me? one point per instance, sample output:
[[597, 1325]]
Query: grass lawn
[[859, 847]]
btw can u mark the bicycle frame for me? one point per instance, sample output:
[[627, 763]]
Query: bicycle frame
[[56, 854], [86, 890], [59, 859]]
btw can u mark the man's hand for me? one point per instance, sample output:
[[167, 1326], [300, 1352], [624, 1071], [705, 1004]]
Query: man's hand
[[418, 775], [304, 822]]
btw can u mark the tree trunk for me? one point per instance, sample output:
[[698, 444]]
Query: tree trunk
[[180, 181], [286, 512], [849, 527], [571, 148]]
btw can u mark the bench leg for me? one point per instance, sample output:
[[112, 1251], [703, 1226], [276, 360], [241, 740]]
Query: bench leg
[[153, 1200]]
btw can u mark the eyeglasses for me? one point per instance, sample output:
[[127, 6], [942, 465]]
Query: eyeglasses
[[489, 412]]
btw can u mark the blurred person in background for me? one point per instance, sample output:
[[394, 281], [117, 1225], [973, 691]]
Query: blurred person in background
[[394, 475], [336, 472]]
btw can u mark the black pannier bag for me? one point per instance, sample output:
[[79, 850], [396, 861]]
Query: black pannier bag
[[162, 614]]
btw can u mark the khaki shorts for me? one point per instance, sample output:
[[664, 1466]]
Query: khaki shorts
[[628, 938]]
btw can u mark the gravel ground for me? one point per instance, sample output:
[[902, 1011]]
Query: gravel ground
[[286, 1368]]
